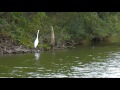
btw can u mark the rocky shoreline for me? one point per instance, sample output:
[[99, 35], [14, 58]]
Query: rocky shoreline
[[16, 50], [9, 46]]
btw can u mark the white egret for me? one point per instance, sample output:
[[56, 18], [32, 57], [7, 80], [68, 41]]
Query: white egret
[[36, 40], [52, 37]]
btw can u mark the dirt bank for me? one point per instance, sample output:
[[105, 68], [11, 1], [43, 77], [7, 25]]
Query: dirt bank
[[9, 46]]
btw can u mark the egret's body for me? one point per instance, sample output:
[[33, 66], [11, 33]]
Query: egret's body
[[36, 40], [52, 37]]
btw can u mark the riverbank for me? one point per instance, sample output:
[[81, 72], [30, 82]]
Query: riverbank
[[9, 46], [16, 50]]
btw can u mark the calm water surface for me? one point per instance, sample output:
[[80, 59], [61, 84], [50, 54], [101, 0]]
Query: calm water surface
[[93, 61]]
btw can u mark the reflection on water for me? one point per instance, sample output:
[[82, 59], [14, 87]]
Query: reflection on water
[[82, 62], [37, 56]]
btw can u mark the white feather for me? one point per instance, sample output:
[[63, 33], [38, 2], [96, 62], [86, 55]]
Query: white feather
[[36, 40]]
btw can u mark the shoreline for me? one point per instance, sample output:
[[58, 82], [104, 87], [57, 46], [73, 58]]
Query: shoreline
[[16, 50]]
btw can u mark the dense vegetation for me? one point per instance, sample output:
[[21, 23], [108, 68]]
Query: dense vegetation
[[20, 28]]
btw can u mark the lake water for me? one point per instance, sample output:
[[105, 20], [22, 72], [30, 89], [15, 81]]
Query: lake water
[[93, 61]]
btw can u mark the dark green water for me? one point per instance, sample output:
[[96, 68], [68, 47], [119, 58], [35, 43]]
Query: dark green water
[[100, 61]]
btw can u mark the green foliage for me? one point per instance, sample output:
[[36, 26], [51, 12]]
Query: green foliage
[[78, 26], [90, 25]]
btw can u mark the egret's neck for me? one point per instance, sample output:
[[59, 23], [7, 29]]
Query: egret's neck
[[37, 34]]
